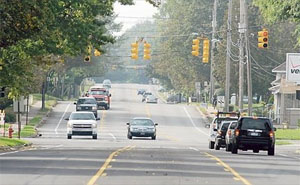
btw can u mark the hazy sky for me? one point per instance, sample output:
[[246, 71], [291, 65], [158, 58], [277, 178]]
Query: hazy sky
[[131, 15]]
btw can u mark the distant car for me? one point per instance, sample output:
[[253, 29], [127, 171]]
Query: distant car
[[87, 104], [141, 127], [220, 139], [106, 83], [151, 99], [229, 135], [216, 123], [141, 91], [82, 124], [101, 95], [145, 94], [255, 134]]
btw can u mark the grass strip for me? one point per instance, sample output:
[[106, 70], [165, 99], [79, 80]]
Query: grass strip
[[288, 134], [9, 142]]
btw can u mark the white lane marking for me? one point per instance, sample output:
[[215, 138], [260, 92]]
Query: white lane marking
[[283, 155], [113, 136], [9, 153], [193, 123], [62, 117], [192, 148], [52, 147]]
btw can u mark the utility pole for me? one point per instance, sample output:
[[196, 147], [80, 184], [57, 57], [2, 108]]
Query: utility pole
[[242, 30], [227, 82], [214, 25], [249, 75]]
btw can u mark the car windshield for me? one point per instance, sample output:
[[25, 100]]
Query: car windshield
[[225, 126], [98, 92], [259, 124], [82, 116], [233, 125], [142, 122], [87, 101]]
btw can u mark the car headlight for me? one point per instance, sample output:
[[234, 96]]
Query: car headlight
[[94, 108], [133, 129], [78, 108], [94, 125], [69, 125]]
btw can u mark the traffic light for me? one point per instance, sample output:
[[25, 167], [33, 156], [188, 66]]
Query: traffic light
[[135, 50], [147, 51], [195, 47], [205, 51], [2, 92], [97, 53], [263, 38], [88, 57]]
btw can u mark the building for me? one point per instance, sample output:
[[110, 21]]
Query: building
[[286, 106]]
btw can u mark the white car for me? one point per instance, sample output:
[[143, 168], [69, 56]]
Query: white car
[[151, 99], [81, 124]]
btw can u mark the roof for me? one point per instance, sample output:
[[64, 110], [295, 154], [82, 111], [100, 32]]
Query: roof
[[280, 69], [141, 118]]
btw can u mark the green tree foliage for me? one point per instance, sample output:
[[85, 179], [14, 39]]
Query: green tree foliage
[[31, 30], [173, 63], [278, 10]]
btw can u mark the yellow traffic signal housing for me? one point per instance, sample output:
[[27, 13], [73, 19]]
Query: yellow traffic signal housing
[[195, 47], [135, 50], [97, 53], [263, 39], [205, 56], [147, 51], [88, 57]]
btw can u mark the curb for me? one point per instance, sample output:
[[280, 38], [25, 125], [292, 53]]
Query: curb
[[15, 148]]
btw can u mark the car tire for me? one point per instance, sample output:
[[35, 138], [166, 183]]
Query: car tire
[[153, 137], [106, 107], [129, 136], [69, 136], [271, 150], [217, 147], [95, 136], [234, 149], [211, 145], [227, 148], [255, 151]]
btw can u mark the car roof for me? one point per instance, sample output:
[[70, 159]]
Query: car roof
[[86, 97], [82, 112], [141, 118]]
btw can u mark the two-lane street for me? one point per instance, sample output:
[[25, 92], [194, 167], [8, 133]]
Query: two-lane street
[[178, 156]]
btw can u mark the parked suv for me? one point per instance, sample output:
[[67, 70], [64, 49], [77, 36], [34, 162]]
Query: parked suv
[[216, 123], [87, 104], [254, 134]]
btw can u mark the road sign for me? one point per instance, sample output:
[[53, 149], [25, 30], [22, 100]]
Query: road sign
[[293, 67]]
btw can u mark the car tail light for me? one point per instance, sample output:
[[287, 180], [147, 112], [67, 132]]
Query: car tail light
[[229, 132], [237, 132], [271, 134]]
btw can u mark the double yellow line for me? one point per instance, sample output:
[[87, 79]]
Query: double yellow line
[[228, 168], [106, 164]]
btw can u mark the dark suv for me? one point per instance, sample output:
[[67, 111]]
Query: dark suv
[[87, 104], [254, 134]]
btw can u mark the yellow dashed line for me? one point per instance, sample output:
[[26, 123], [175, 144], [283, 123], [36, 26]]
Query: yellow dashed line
[[237, 176], [106, 165]]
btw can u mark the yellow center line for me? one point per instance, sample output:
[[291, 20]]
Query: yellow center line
[[227, 167], [106, 165]]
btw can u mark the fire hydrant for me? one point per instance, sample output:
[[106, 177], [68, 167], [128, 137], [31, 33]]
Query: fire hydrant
[[10, 132]]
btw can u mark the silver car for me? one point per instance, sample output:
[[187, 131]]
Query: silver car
[[151, 99], [141, 127], [81, 124]]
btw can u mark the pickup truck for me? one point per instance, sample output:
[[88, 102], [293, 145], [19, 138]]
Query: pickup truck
[[101, 95]]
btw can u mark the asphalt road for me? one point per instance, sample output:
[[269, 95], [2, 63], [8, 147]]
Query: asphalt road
[[179, 156]]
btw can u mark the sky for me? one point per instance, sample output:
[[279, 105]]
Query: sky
[[131, 15]]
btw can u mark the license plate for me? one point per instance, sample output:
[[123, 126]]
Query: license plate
[[142, 133], [254, 134]]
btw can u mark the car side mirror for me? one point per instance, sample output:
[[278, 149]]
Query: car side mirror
[[127, 124], [75, 103], [275, 129], [67, 119], [109, 95], [156, 124], [215, 129], [97, 119]]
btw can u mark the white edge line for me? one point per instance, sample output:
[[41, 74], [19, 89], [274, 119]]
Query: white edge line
[[193, 123], [9, 153], [113, 136], [61, 119], [192, 148]]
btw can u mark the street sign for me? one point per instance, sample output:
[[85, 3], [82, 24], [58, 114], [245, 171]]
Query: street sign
[[293, 67], [198, 86]]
